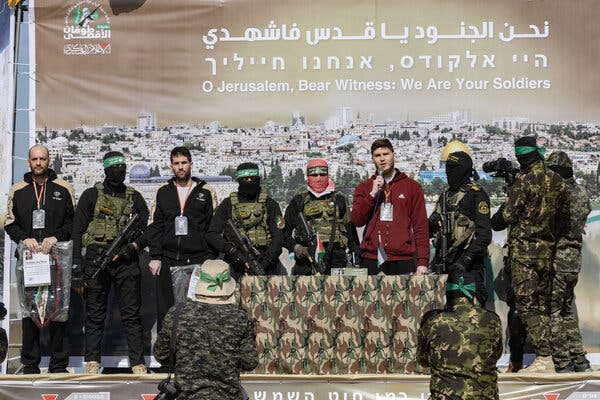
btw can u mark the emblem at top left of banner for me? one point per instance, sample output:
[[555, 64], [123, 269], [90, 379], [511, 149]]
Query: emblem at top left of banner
[[87, 30]]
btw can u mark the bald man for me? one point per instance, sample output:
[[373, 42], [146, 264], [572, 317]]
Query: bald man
[[40, 213]]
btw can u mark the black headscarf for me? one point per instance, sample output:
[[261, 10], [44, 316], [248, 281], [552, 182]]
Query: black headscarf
[[248, 178], [115, 173]]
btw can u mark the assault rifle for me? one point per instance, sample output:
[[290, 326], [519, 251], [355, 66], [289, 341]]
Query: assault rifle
[[440, 260], [131, 231], [308, 236], [243, 244], [502, 168]]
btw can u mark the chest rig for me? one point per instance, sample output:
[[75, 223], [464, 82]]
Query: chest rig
[[110, 217], [251, 218], [321, 215]]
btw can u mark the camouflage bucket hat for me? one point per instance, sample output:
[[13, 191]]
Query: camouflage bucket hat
[[559, 158], [216, 286]]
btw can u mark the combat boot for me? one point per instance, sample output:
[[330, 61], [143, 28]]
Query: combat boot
[[139, 369], [514, 366], [541, 365], [566, 369], [92, 367], [582, 366]]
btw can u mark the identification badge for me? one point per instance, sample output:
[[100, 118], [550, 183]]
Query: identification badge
[[36, 269], [38, 219], [181, 225], [387, 212]]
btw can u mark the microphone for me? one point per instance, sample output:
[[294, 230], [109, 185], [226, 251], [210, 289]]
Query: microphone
[[380, 172]]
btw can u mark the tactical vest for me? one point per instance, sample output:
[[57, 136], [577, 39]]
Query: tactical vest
[[110, 217], [320, 214], [251, 218], [461, 226]]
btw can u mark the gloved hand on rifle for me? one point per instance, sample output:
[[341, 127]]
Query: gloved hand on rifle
[[127, 253], [77, 279], [234, 256], [301, 252]]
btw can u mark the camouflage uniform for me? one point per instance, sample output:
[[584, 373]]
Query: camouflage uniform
[[214, 342], [535, 201], [567, 345], [461, 345]]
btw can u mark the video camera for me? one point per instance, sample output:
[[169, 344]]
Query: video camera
[[168, 390], [502, 168]]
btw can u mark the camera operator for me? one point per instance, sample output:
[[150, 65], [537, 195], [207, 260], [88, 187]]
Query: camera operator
[[468, 216], [535, 201], [215, 339]]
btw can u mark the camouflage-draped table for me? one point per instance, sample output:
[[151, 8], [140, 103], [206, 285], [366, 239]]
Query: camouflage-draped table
[[337, 324]]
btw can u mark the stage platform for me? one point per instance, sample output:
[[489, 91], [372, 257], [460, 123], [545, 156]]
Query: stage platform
[[574, 386]]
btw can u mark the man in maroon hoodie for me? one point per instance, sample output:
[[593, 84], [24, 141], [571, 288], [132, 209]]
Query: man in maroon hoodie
[[391, 207]]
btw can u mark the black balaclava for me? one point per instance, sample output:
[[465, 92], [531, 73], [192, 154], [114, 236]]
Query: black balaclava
[[560, 163], [526, 151], [114, 170], [248, 189], [459, 169]]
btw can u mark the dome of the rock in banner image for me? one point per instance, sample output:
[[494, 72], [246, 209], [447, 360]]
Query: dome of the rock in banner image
[[139, 171]]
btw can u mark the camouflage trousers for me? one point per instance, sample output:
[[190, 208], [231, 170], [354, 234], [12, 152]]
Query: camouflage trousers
[[567, 344], [531, 282]]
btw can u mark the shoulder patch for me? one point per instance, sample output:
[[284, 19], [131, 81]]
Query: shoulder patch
[[475, 187], [483, 208]]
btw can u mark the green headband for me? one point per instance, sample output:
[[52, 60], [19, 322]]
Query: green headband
[[115, 160], [468, 290], [317, 170], [215, 282], [522, 150], [245, 173]]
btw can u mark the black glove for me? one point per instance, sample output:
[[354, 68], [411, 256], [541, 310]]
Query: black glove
[[2, 311], [127, 253], [234, 256], [76, 277]]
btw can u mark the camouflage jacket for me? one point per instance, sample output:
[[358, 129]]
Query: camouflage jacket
[[536, 200], [461, 346], [213, 343], [570, 230]]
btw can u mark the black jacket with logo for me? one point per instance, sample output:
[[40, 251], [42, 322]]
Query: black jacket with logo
[[57, 201], [187, 249]]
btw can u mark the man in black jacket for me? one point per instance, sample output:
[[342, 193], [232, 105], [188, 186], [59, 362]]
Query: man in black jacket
[[257, 216], [102, 212], [40, 213], [177, 236]]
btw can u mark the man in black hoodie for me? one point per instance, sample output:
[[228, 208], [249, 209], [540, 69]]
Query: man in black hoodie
[[257, 216], [102, 212], [177, 236], [40, 213]]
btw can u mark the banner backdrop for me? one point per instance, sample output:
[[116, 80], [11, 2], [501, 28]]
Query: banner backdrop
[[279, 81], [6, 120]]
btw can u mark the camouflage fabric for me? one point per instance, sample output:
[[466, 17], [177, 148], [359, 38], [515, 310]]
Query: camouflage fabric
[[213, 343], [337, 324], [537, 197], [461, 347], [531, 280], [567, 344]]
